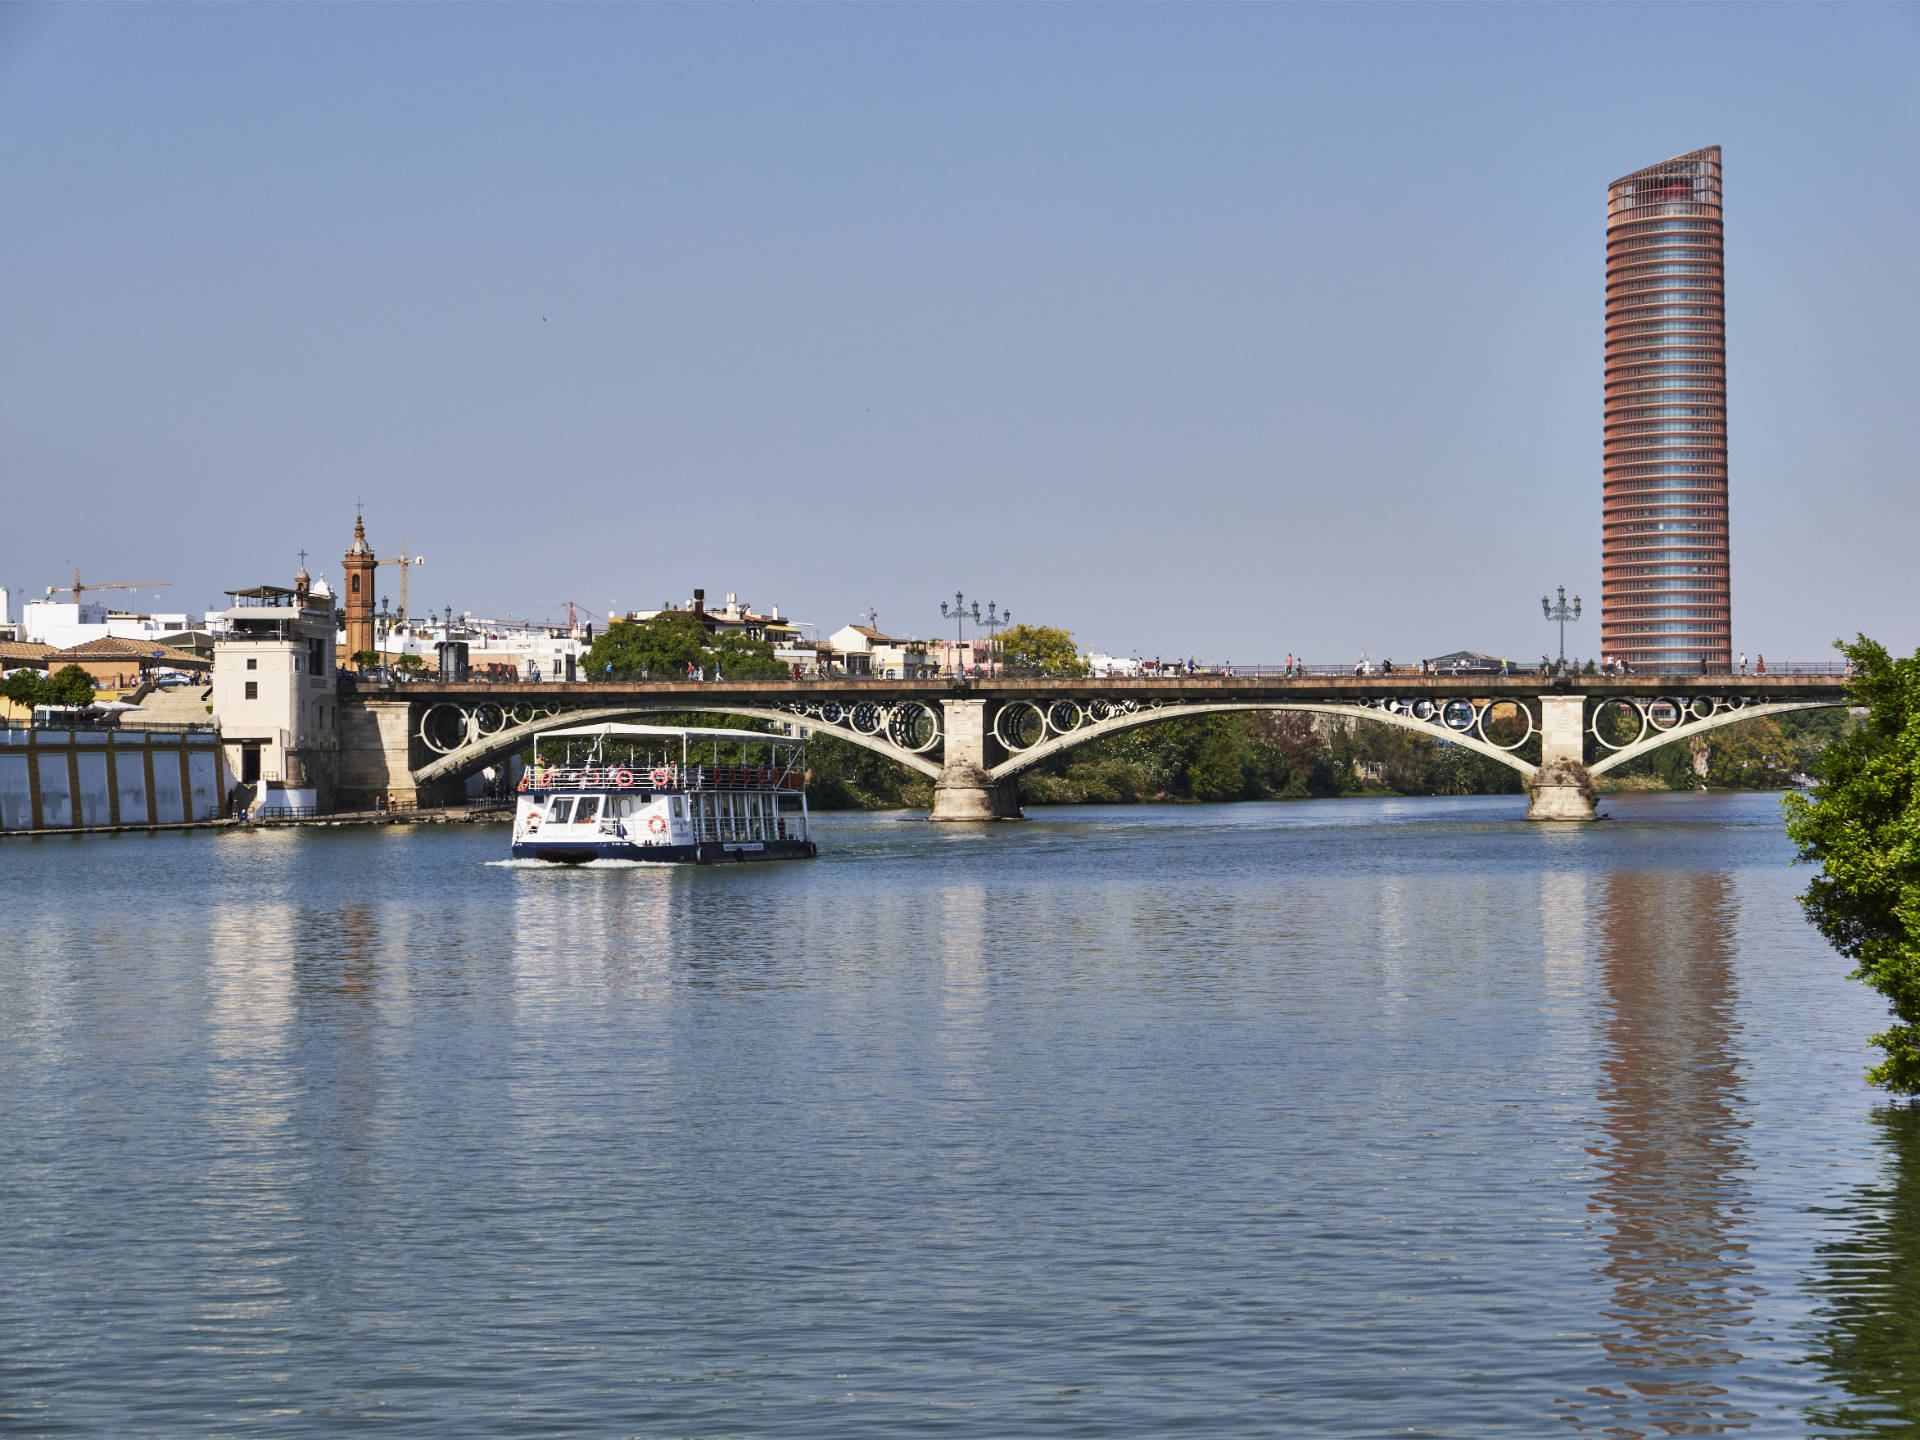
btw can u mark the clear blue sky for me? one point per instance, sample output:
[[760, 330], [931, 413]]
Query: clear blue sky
[[1230, 330]]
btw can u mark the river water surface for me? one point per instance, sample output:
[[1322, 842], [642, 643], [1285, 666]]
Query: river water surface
[[1346, 1118]]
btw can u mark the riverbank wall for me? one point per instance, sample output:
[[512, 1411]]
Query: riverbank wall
[[107, 779]]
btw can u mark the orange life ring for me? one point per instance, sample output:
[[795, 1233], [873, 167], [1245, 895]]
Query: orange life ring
[[661, 775], [623, 777], [658, 824], [589, 777], [526, 781], [533, 822]]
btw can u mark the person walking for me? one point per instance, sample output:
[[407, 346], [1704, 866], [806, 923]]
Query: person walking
[[1503, 665], [1743, 662], [1761, 668]]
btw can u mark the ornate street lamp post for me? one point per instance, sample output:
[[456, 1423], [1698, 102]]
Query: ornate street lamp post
[[994, 622], [1558, 611], [960, 614]]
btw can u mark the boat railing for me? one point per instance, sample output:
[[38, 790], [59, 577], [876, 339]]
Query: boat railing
[[663, 777]]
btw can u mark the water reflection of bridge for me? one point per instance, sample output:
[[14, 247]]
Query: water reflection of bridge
[[974, 738]]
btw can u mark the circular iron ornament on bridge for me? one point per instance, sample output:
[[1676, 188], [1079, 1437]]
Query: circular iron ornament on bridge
[[867, 719], [1064, 716], [1425, 710], [1459, 715], [913, 727], [1487, 714], [1639, 720], [831, 713], [1020, 725], [443, 728], [487, 719], [1703, 707], [1663, 715]]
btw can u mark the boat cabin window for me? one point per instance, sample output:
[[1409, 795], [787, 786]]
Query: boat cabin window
[[589, 807], [679, 807], [561, 810]]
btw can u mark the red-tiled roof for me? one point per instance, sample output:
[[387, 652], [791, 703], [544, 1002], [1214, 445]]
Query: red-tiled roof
[[118, 647]]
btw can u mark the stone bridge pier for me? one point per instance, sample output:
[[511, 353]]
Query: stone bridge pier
[[965, 790], [1561, 789]]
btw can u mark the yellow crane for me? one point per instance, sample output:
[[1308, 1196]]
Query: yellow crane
[[79, 588], [405, 562]]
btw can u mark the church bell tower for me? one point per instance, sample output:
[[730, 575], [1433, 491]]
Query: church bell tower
[[358, 565]]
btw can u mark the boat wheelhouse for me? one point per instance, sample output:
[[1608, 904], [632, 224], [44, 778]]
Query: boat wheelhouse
[[663, 793]]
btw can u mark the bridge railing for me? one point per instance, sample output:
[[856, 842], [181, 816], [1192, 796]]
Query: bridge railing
[[1348, 668], [662, 777]]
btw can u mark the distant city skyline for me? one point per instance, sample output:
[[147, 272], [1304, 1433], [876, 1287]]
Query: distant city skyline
[[1220, 330]]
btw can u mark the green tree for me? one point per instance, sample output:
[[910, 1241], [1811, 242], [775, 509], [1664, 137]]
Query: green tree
[[1219, 767], [409, 664], [1861, 826], [663, 646], [69, 685], [1753, 755], [366, 659], [25, 687], [739, 658], [1040, 650]]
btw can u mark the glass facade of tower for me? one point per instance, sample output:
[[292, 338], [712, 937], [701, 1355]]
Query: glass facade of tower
[[1664, 597]]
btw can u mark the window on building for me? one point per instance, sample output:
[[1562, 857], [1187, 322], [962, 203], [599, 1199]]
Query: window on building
[[356, 584], [253, 689], [253, 664], [296, 664]]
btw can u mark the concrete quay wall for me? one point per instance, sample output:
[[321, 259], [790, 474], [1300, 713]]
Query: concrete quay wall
[[108, 779]]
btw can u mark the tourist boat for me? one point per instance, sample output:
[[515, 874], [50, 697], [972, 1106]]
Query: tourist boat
[[662, 793]]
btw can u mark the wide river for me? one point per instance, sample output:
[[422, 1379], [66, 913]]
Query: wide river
[[1349, 1118]]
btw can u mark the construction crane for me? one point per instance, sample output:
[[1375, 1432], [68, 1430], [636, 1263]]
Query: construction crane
[[79, 588], [405, 562], [573, 620]]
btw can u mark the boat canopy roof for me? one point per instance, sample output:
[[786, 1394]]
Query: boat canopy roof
[[685, 732]]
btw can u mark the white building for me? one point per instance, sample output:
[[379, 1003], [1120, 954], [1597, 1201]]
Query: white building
[[864, 650], [65, 624], [274, 694], [527, 649]]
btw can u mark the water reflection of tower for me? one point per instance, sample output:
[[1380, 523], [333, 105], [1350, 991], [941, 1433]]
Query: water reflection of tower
[[1669, 1180]]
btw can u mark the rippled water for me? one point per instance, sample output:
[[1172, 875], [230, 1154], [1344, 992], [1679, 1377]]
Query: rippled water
[[1344, 1118]]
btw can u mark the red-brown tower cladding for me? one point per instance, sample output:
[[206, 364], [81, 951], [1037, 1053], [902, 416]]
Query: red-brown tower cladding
[[358, 563], [1664, 597]]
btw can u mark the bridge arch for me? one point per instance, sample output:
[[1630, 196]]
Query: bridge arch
[[1653, 739], [1130, 720], [477, 754]]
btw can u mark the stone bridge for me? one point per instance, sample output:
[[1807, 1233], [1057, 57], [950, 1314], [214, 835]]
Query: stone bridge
[[418, 742]]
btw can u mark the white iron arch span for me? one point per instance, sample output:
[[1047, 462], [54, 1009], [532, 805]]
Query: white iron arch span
[[1405, 719], [483, 750]]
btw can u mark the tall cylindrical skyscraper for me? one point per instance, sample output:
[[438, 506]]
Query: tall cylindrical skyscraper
[[1664, 598]]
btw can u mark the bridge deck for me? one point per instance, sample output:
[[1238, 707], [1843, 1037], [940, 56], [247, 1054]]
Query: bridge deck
[[1199, 689]]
